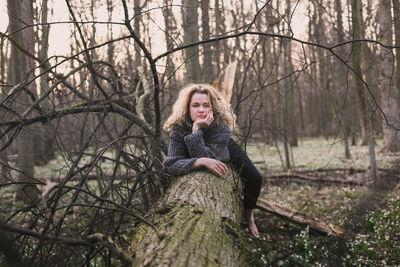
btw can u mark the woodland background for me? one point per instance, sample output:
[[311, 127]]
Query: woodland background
[[81, 130]]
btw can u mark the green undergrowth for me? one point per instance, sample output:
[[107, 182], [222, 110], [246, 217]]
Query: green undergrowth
[[369, 217], [371, 240], [372, 237]]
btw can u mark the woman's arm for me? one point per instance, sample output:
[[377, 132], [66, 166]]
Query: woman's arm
[[178, 161], [216, 148]]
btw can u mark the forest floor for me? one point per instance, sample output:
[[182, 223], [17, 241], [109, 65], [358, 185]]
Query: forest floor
[[369, 215]]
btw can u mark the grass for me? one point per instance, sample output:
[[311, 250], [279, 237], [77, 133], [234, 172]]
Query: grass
[[373, 235], [315, 153]]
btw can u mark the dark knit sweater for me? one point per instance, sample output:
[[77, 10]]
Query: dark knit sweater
[[185, 148]]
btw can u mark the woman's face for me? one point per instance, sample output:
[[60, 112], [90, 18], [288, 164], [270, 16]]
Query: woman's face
[[200, 105]]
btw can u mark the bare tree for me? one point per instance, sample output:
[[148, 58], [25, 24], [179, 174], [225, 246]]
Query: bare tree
[[3, 85], [22, 68], [218, 30], [290, 98], [343, 121], [136, 28], [357, 32], [391, 125], [191, 35], [396, 19], [44, 136], [169, 30], [207, 54]]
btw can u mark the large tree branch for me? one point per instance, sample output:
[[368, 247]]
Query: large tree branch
[[111, 107]]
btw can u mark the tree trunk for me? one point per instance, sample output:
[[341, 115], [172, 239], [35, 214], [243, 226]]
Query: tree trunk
[[389, 96], [44, 137], [356, 10], [3, 154], [170, 25], [191, 35], [198, 224], [136, 28], [365, 122], [21, 14], [313, 106], [372, 154], [285, 115], [111, 46], [218, 31], [291, 120], [342, 121], [396, 13], [207, 54], [322, 72], [300, 218]]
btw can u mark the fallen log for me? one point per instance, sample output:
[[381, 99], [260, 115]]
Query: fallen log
[[198, 220], [347, 170], [297, 217], [316, 178]]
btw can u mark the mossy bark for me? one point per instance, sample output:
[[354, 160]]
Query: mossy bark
[[199, 224]]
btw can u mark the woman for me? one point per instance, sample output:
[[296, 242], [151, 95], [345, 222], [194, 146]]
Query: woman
[[200, 136]]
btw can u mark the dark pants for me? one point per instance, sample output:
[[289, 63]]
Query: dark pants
[[252, 178]]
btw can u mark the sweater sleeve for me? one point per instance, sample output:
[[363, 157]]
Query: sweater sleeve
[[216, 147], [178, 162]]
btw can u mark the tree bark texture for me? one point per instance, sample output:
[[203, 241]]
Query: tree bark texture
[[170, 26], [396, 19], [198, 223], [207, 54], [136, 27], [22, 66], [3, 154], [191, 35], [343, 122], [385, 84], [43, 137], [356, 11]]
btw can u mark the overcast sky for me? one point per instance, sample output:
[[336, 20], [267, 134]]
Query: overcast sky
[[59, 33]]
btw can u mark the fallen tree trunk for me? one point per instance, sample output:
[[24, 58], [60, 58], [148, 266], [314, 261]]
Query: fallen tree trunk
[[295, 216], [315, 178], [198, 220]]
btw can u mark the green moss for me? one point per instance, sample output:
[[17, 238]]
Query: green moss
[[193, 237]]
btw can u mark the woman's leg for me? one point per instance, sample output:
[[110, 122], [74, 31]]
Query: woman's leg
[[252, 182], [247, 170]]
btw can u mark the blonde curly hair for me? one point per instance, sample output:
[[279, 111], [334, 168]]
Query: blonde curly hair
[[181, 107]]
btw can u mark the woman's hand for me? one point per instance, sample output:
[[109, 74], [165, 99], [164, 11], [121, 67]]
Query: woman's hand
[[214, 165], [203, 123]]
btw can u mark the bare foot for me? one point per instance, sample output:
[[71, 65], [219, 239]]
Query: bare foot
[[249, 217]]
